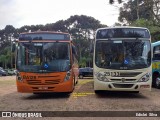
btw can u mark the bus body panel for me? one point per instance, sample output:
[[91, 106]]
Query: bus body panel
[[156, 66], [130, 83], [47, 82]]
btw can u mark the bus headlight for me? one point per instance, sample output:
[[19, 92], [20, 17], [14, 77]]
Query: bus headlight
[[68, 75], [145, 78], [19, 78], [102, 77]]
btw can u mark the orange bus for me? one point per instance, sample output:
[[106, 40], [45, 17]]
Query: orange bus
[[46, 62]]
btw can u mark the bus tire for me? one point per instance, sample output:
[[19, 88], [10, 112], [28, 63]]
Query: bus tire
[[97, 91], [135, 91], [156, 80]]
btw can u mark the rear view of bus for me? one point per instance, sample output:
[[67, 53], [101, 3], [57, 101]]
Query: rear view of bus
[[122, 59], [46, 62]]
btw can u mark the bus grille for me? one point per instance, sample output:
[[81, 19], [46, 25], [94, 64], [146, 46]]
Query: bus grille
[[123, 85], [48, 76], [126, 80], [130, 74], [43, 82]]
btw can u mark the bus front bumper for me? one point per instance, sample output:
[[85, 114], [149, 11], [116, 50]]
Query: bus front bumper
[[61, 87], [122, 86]]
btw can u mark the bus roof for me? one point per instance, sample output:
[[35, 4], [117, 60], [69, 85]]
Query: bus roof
[[156, 43]]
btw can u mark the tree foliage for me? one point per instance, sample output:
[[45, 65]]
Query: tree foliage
[[81, 28], [131, 11], [138, 9], [5, 56], [142, 13], [154, 30]]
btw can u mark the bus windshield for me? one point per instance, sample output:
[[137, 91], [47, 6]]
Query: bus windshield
[[123, 54], [43, 57]]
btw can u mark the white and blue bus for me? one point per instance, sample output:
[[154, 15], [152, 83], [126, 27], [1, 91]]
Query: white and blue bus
[[122, 59], [156, 64]]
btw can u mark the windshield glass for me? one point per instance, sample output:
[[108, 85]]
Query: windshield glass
[[120, 54], [43, 57]]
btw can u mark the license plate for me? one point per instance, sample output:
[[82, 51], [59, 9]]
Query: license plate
[[43, 88], [144, 86]]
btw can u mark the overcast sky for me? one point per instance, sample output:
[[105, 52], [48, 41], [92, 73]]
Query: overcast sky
[[32, 12]]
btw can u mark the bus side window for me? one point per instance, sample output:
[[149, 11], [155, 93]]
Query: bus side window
[[156, 53]]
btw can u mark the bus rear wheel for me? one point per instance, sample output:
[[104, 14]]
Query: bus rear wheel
[[97, 91], [135, 92], [156, 80], [157, 83]]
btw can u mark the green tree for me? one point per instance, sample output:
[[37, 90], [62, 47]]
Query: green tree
[[82, 62], [5, 35], [83, 28], [5, 57], [155, 10], [132, 11], [142, 13], [138, 9], [154, 30]]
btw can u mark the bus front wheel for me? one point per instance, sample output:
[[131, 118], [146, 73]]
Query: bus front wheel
[[97, 91], [156, 81], [157, 84]]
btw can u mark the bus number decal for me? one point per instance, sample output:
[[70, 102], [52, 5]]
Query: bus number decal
[[113, 74]]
